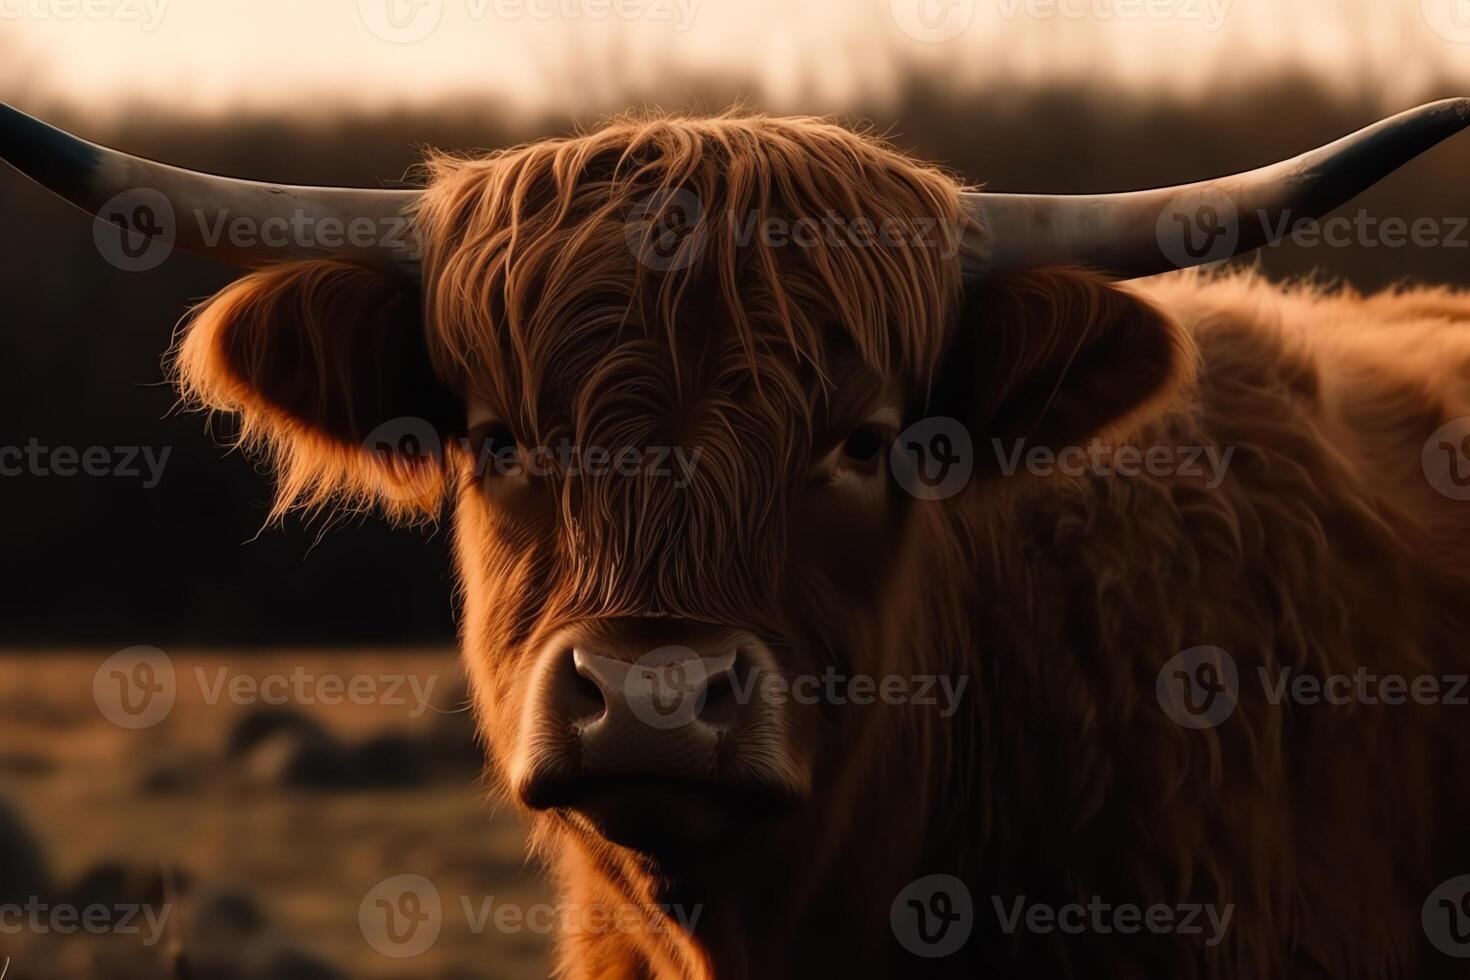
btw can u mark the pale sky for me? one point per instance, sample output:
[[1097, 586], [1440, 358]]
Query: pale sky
[[207, 54]]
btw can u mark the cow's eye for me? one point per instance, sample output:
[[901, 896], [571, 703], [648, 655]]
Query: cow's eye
[[865, 444], [497, 454]]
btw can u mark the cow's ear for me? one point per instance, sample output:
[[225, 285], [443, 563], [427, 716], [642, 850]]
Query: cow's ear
[[1061, 357], [327, 367]]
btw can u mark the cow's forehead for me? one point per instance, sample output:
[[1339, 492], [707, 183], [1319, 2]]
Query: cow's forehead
[[727, 242], [672, 380]]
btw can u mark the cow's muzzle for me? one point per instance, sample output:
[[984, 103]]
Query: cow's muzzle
[[656, 733]]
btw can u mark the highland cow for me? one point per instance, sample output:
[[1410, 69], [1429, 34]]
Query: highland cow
[[639, 646]]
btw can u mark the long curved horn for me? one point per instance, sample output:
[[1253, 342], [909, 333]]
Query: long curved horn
[[1143, 233], [202, 212]]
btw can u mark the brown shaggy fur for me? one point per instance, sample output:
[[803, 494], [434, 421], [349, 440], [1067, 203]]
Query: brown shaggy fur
[[1059, 598]]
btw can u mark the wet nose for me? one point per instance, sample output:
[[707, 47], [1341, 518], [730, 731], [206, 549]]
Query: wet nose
[[656, 732], [662, 714], [669, 712]]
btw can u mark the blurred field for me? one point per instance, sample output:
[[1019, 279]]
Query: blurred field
[[169, 800]]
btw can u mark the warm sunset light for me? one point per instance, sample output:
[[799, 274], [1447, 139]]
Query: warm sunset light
[[542, 54], [734, 489]]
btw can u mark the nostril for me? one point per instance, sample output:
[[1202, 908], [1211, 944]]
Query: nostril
[[587, 691], [580, 693], [721, 703]]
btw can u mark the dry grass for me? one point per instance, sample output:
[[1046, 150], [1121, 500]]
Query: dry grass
[[89, 790]]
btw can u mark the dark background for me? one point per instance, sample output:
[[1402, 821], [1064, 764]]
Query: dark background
[[103, 560]]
